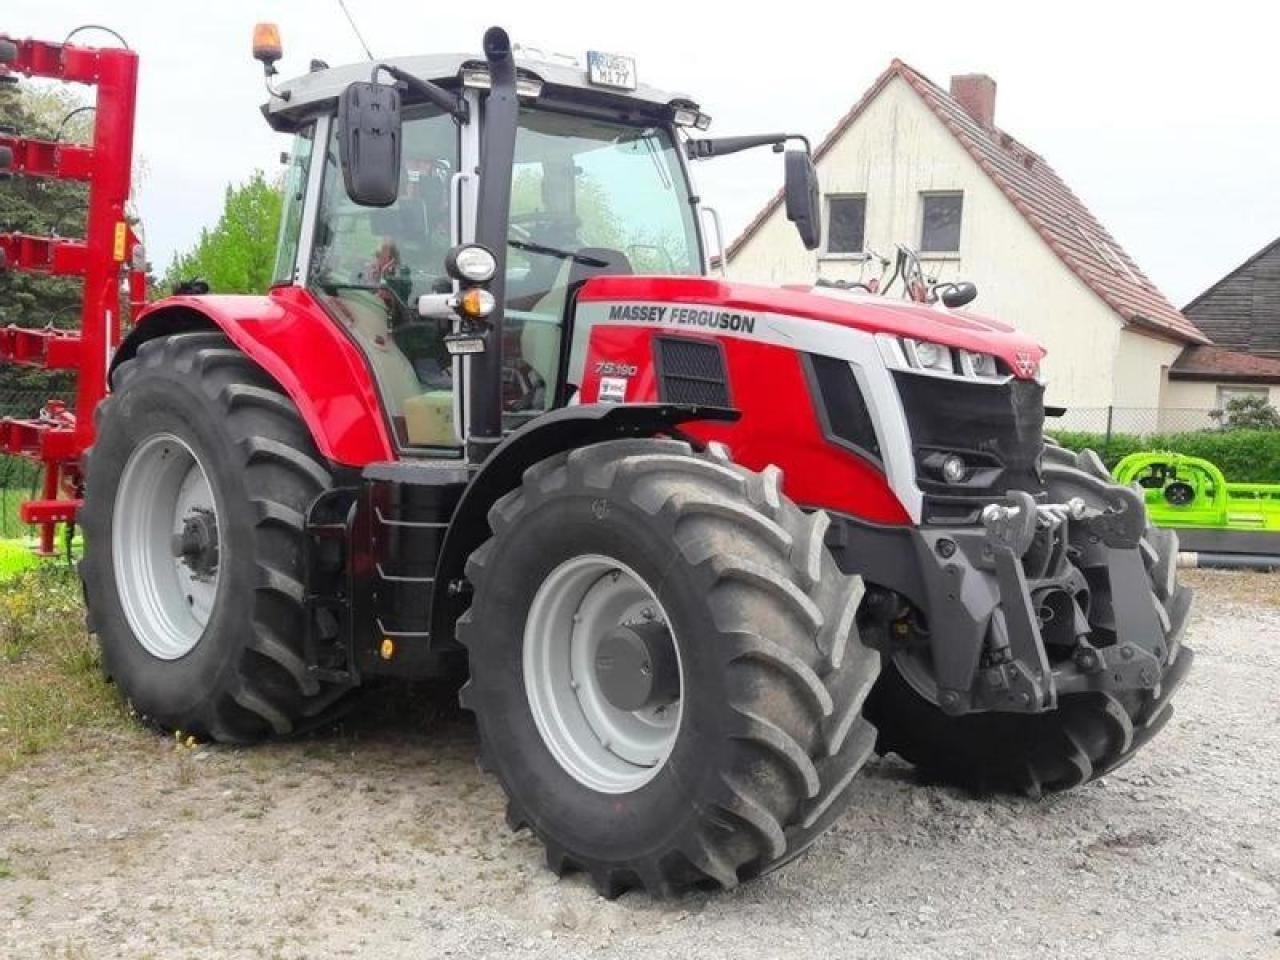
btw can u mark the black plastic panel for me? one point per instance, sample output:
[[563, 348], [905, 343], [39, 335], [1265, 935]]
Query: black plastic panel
[[841, 405]]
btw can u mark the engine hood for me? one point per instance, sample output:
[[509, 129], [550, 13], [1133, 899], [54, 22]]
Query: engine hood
[[874, 314]]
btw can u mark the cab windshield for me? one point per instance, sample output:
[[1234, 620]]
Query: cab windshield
[[589, 197]]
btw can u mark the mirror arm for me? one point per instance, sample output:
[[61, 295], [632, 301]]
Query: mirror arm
[[450, 103], [722, 146]]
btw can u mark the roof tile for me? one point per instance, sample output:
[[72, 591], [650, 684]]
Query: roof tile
[[1218, 363]]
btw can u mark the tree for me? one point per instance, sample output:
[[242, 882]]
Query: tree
[[238, 254], [1248, 412]]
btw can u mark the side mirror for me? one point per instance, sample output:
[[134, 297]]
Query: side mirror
[[803, 202], [369, 143], [958, 294]]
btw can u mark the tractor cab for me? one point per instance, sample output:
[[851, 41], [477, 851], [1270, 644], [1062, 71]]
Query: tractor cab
[[599, 184], [596, 183]]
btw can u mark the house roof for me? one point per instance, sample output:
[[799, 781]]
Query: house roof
[[1077, 238], [1242, 309], [1203, 362], [1250, 261]]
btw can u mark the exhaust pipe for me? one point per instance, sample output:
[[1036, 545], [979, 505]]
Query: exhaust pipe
[[492, 217]]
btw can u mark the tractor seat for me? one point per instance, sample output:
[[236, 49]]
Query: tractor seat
[[540, 338]]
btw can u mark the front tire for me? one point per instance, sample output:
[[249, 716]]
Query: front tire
[[771, 671], [196, 491]]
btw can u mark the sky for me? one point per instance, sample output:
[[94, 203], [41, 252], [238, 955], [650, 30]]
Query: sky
[[1163, 117]]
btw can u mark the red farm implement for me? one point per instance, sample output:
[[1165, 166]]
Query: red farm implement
[[103, 259]]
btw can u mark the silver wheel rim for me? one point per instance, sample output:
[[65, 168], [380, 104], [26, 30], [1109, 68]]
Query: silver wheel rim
[[606, 748], [166, 598]]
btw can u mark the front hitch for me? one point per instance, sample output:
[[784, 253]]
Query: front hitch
[[1042, 600]]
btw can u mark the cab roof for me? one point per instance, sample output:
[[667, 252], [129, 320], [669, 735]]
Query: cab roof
[[315, 91]]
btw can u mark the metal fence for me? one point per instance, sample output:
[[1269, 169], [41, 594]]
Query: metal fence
[[1136, 421], [23, 403]]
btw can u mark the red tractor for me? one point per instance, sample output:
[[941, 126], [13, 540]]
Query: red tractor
[[699, 546]]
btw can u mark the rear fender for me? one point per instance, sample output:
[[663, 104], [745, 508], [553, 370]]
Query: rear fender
[[564, 429], [295, 341]]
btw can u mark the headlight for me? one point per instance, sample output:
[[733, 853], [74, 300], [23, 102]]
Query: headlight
[[471, 262], [938, 359], [954, 469], [979, 364], [931, 356]]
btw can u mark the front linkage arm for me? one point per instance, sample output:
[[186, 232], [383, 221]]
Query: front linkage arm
[[1004, 598]]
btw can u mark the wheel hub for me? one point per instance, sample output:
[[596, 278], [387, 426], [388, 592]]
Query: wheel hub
[[196, 544], [636, 666]]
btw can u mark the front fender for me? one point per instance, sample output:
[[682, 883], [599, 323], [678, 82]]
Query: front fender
[[564, 429], [295, 341]]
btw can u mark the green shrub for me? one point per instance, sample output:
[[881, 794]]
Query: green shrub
[[1244, 456], [1250, 412]]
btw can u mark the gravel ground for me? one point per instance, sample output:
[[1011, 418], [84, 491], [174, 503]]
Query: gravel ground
[[385, 841]]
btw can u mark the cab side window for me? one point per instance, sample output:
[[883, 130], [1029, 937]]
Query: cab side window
[[370, 265], [295, 191]]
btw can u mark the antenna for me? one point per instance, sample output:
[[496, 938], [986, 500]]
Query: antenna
[[355, 29]]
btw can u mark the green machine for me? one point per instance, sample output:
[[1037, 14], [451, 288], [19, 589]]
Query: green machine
[[1211, 515]]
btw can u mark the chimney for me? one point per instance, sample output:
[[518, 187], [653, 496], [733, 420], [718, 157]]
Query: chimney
[[976, 92]]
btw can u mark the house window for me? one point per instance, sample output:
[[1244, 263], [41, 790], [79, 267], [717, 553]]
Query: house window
[[846, 224], [940, 222], [1227, 394]]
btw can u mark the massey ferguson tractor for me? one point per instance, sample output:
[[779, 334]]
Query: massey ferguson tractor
[[699, 547]]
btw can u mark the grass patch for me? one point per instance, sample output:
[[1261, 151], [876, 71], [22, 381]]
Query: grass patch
[[51, 681], [15, 557]]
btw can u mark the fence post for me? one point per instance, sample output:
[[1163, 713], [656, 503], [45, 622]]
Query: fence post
[[1106, 444]]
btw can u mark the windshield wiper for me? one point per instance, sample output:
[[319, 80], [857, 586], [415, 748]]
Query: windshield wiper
[[652, 149], [557, 253]]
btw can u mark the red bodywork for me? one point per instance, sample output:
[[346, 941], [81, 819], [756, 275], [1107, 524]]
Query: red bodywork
[[780, 424], [59, 436], [293, 339]]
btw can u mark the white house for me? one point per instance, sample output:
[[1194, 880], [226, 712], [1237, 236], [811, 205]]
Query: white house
[[914, 164]]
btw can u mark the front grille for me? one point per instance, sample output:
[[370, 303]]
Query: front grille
[[996, 428], [692, 371]]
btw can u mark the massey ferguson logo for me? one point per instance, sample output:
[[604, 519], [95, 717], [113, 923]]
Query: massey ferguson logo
[[1025, 364], [683, 316]]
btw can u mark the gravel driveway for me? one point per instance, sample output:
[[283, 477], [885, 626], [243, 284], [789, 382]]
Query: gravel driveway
[[385, 841]]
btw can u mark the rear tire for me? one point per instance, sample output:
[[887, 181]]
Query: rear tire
[[1088, 735], [773, 673], [234, 673]]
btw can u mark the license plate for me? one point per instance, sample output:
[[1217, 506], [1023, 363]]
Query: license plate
[[611, 70]]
